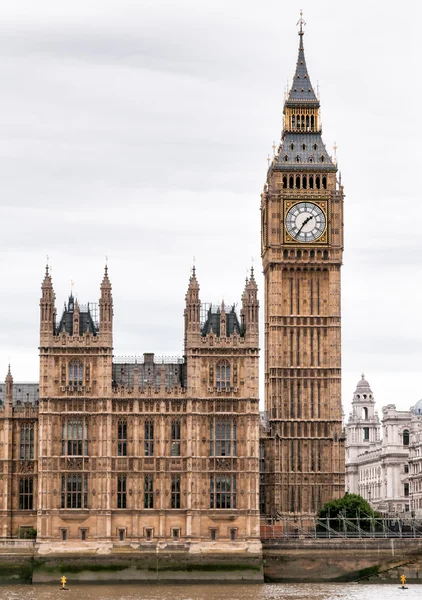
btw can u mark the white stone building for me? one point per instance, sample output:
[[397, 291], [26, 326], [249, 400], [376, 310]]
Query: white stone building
[[377, 467], [415, 460]]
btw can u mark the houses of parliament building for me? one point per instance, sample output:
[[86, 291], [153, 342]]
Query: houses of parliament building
[[106, 451]]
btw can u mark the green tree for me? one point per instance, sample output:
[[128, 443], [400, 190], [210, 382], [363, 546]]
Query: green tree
[[352, 508]]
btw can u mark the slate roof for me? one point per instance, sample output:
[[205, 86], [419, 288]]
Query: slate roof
[[303, 155], [22, 392], [86, 322], [213, 322], [149, 372], [301, 91]]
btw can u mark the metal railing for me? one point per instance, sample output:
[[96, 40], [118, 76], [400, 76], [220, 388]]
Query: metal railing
[[361, 526]]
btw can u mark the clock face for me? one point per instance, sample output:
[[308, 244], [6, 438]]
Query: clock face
[[305, 222]]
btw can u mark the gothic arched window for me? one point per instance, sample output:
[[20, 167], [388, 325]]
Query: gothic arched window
[[405, 437], [75, 372], [222, 379]]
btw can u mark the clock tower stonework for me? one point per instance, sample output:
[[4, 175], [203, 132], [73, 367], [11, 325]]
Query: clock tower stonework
[[302, 248]]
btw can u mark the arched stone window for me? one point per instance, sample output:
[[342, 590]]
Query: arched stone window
[[406, 437], [222, 378], [75, 372]]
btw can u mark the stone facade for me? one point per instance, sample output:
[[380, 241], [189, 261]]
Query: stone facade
[[302, 249], [377, 467], [107, 451]]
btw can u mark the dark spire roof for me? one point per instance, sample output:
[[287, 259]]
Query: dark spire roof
[[86, 322], [301, 90]]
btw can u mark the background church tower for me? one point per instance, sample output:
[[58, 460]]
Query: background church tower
[[302, 248]]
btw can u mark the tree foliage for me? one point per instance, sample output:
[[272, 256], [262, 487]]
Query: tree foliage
[[352, 508]]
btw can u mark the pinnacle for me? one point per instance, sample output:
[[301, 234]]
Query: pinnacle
[[9, 374], [106, 284], [301, 90]]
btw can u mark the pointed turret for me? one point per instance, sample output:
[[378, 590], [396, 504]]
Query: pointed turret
[[301, 90], [76, 318], [106, 304], [250, 306], [47, 307], [9, 388], [192, 310], [223, 324]]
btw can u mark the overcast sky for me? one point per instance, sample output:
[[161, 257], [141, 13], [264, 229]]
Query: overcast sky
[[140, 130]]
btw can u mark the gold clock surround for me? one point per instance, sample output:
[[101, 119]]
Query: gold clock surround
[[323, 239]]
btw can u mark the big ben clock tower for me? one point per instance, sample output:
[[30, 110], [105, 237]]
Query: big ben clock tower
[[302, 248]]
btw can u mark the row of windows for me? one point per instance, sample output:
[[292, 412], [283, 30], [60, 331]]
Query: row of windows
[[303, 123], [75, 374], [75, 438], [304, 182], [74, 491], [149, 533], [222, 438]]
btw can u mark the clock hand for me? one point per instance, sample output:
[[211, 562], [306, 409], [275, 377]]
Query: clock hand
[[304, 223]]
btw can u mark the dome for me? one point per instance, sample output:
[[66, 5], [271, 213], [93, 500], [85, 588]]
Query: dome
[[363, 385], [417, 409]]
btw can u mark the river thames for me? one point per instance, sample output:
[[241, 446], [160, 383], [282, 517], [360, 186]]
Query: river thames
[[308, 591]]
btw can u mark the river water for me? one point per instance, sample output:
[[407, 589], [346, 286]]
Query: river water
[[293, 591]]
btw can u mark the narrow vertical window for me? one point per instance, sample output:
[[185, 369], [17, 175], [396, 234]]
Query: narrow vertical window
[[298, 347], [222, 379], [311, 341], [149, 491], [27, 442], [122, 438], [298, 403], [312, 399], [175, 438], [222, 437], [75, 373], [291, 347], [311, 303], [319, 399], [291, 295], [121, 491], [74, 437], [26, 493], [149, 438], [318, 347], [292, 400], [175, 491], [298, 296]]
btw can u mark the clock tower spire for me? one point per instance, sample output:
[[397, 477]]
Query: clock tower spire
[[302, 248]]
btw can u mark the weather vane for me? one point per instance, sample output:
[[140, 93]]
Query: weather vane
[[301, 23]]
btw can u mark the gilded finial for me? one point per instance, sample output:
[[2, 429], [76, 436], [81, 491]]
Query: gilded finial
[[268, 160], [301, 23]]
